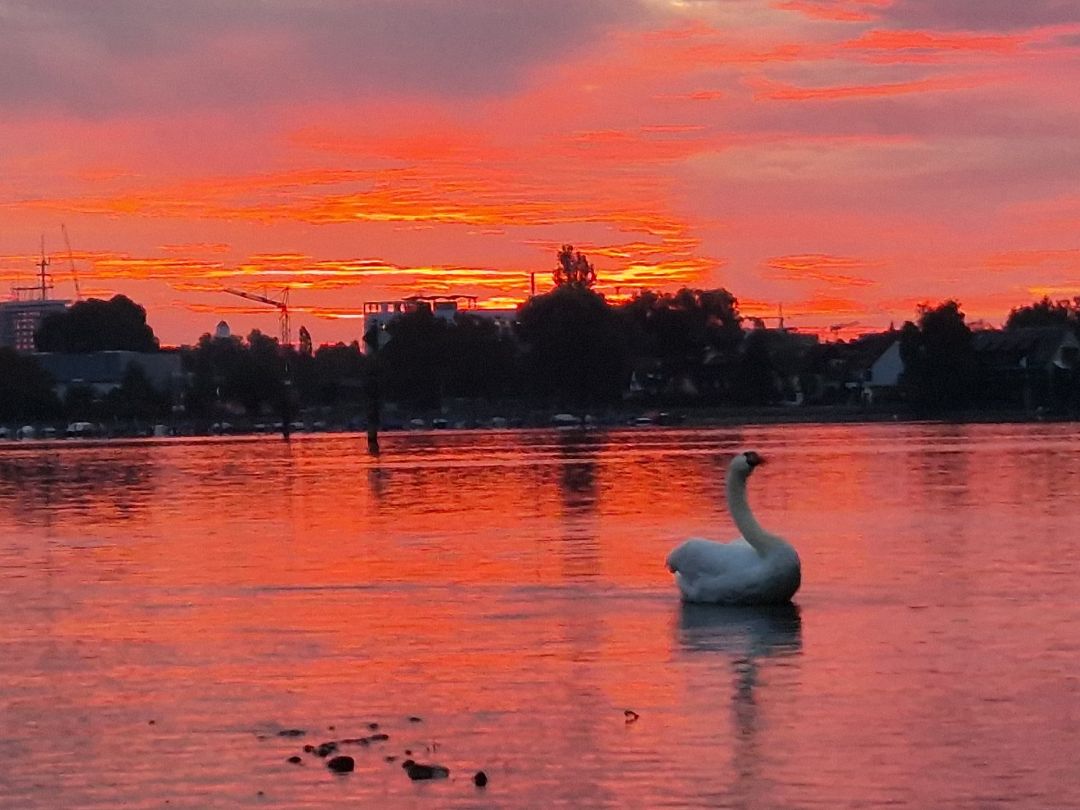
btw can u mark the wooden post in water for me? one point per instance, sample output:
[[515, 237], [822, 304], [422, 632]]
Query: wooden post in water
[[374, 405]]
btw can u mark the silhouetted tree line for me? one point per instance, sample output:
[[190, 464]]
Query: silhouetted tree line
[[568, 348]]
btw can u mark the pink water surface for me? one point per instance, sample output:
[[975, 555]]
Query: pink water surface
[[170, 606]]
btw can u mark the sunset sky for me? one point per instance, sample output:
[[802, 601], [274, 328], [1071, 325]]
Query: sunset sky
[[844, 158]]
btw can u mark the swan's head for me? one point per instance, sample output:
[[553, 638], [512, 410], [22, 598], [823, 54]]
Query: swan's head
[[744, 463]]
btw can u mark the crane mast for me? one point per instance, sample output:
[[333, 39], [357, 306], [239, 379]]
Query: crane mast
[[71, 261]]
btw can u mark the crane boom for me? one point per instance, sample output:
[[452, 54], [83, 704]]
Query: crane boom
[[281, 305], [255, 297]]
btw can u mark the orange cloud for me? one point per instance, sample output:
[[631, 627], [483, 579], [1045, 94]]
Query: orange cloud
[[780, 92], [819, 267], [901, 40], [835, 10]]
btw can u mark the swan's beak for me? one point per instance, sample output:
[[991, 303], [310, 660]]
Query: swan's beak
[[754, 459]]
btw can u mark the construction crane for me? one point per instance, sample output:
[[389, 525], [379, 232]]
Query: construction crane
[[282, 306], [71, 261], [837, 327]]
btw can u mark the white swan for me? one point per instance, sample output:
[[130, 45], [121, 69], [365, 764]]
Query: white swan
[[757, 569]]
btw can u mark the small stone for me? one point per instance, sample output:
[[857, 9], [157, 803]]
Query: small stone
[[390, 757], [415, 719], [326, 749], [373, 726], [379, 737], [151, 722], [295, 760], [418, 770], [309, 749], [408, 752], [329, 728], [341, 764], [480, 779], [291, 732]]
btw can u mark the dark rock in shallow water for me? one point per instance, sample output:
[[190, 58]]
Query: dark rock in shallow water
[[291, 732], [630, 715], [415, 719], [418, 770], [379, 737], [341, 764], [390, 757], [480, 779], [309, 749], [326, 749], [373, 726], [295, 760]]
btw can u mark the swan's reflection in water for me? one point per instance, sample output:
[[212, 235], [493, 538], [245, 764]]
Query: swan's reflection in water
[[750, 632], [747, 639]]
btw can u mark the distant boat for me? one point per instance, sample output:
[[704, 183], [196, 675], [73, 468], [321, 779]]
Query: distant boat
[[80, 430]]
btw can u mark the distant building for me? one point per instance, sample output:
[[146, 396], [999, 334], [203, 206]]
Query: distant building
[[1033, 366], [20, 320], [887, 368], [103, 372], [222, 331], [377, 314]]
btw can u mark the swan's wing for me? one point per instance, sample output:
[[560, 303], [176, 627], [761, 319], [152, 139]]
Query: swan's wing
[[696, 557]]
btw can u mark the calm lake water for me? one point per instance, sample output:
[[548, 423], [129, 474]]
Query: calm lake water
[[170, 606]]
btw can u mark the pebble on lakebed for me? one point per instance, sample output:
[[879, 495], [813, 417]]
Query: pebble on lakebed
[[418, 770], [341, 764], [480, 779]]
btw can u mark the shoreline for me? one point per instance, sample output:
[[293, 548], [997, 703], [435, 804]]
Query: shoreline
[[687, 417]]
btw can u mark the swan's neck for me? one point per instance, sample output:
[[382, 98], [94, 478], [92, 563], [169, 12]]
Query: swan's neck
[[744, 519]]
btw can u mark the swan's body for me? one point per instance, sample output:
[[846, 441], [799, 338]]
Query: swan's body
[[758, 568]]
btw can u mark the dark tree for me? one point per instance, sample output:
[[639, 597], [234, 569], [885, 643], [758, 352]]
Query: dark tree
[[573, 269], [136, 398], [26, 392], [339, 373], [229, 370], [1046, 313], [678, 328], [413, 365], [575, 347], [95, 325], [483, 359], [305, 348], [755, 374], [940, 369]]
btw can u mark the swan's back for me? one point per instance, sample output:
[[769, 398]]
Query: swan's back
[[734, 573]]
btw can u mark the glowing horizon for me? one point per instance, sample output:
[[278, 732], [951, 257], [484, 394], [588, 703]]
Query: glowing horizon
[[845, 160]]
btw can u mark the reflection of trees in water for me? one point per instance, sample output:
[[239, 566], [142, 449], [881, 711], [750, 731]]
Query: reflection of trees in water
[[578, 451], [579, 549], [747, 637], [115, 481]]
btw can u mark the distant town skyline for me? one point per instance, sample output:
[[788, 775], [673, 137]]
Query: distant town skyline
[[846, 159]]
